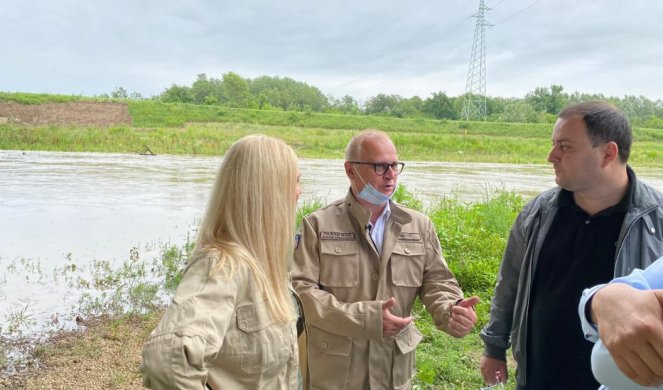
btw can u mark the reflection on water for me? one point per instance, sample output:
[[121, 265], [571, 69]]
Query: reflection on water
[[78, 207]]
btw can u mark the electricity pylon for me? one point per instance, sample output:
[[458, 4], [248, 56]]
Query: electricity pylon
[[474, 105]]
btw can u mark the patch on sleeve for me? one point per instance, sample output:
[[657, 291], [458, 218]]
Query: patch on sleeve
[[298, 238], [337, 236], [409, 237]]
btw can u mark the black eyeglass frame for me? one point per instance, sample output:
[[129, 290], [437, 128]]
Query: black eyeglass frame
[[397, 166]]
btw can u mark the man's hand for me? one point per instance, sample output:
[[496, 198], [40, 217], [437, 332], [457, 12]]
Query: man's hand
[[493, 370], [391, 324], [630, 324], [463, 317]]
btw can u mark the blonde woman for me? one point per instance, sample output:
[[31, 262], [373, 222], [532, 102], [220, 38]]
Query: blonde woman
[[231, 324]]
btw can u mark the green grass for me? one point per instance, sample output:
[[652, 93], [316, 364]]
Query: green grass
[[168, 128], [473, 238], [215, 138], [157, 114], [40, 98]]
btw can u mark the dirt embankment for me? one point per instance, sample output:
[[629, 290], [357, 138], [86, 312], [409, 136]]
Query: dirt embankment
[[102, 114]]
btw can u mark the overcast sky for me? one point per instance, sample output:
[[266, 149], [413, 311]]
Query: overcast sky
[[357, 48]]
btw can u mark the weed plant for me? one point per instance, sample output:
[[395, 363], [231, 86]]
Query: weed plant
[[473, 237]]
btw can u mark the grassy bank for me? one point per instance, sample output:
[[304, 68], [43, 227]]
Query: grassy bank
[[129, 299], [215, 138], [209, 130]]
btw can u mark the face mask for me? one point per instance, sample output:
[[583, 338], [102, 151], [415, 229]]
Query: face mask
[[371, 195]]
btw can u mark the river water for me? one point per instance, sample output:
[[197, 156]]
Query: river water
[[58, 208]]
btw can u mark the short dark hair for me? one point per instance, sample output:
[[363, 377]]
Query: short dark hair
[[605, 122]]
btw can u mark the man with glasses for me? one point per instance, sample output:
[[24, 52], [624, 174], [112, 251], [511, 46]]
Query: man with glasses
[[360, 263]]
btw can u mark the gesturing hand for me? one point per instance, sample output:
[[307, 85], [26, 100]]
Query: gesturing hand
[[463, 317], [391, 324]]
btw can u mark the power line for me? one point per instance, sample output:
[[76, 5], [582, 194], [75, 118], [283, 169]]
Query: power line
[[519, 12], [474, 105], [435, 38]]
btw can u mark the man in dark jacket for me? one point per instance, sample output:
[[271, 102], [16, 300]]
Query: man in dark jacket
[[600, 222]]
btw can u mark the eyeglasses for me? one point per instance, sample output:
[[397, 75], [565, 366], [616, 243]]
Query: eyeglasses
[[381, 168]]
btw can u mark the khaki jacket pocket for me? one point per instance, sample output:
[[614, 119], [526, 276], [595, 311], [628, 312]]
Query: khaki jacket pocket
[[261, 341], [404, 357], [339, 263], [329, 358], [407, 264]]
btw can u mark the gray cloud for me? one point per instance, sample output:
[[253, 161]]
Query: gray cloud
[[356, 48]]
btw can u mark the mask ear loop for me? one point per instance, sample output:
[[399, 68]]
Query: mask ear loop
[[361, 178]]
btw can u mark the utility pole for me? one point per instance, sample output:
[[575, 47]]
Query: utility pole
[[474, 105]]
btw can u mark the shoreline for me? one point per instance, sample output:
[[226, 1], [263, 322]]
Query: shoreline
[[104, 353]]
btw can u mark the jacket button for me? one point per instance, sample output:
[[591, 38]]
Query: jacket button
[[407, 251], [324, 345], [653, 230], [375, 277], [337, 249]]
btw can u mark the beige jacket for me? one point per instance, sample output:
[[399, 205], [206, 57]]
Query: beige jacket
[[218, 332], [342, 283]]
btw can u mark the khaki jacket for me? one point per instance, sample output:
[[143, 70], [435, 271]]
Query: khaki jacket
[[343, 282], [217, 331]]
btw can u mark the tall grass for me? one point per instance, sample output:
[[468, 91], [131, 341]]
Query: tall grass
[[473, 238], [157, 114], [170, 128], [215, 138], [39, 98]]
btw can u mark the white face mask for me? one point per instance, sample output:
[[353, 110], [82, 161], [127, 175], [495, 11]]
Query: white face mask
[[371, 194]]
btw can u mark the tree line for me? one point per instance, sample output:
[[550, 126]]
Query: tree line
[[282, 93]]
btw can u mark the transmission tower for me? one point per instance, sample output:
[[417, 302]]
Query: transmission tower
[[474, 105]]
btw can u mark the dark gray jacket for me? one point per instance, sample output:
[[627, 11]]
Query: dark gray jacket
[[640, 243]]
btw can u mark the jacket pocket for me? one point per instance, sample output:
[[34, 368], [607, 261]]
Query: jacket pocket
[[407, 264], [262, 343], [339, 263], [404, 357], [329, 358]]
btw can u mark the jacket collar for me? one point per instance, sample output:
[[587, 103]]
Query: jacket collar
[[642, 197], [637, 197], [363, 215]]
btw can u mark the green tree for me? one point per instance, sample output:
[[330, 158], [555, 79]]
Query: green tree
[[550, 100], [177, 94], [288, 94], [382, 104], [119, 93], [235, 90], [639, 109], [439, 106], [520, 111], [345, 105], [206, 91]]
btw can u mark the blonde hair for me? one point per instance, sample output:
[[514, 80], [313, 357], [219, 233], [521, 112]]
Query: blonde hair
[[250, 218]]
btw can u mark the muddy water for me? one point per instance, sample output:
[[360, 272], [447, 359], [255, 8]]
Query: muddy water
[[58, 208]]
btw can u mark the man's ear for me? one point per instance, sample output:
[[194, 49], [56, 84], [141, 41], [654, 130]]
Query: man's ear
[[610, 152], [348, 170]]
